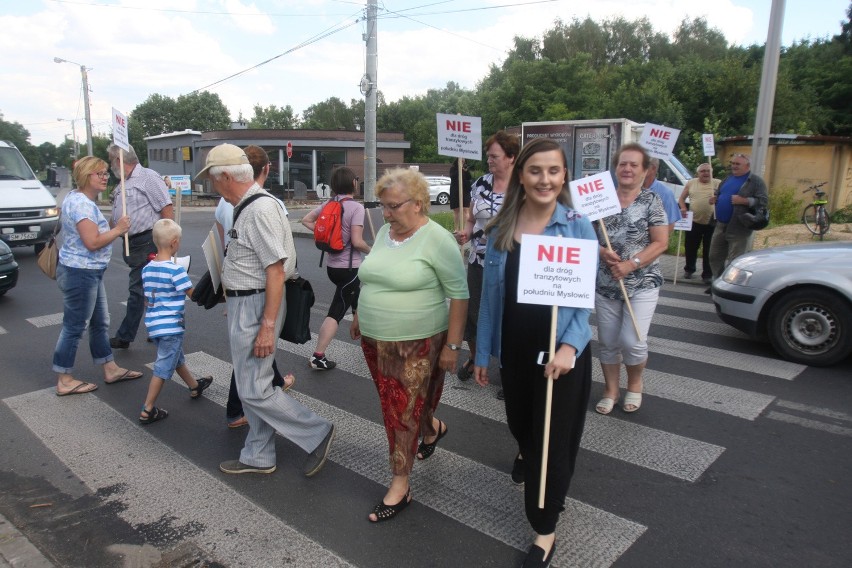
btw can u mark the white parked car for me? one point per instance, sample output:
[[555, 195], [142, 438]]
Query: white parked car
[[439, 189], [799, 297]]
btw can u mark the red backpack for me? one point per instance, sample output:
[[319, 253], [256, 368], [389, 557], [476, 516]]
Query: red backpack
[[328, 230]]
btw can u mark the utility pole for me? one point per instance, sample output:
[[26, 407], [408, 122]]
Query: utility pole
[[369, 87], [88, 110], [766, 98]]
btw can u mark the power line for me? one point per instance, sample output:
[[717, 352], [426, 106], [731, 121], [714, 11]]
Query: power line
[[322, 35]]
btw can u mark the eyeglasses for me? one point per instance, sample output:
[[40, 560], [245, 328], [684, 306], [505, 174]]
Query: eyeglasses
[[495, 156], [393, 207], [102, 175]]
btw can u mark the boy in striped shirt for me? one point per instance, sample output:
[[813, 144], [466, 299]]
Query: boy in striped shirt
[[166, 286]]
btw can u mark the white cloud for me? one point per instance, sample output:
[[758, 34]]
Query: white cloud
[[139, 47]]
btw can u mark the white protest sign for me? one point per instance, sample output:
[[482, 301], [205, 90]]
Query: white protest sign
[[709, 146], [119, 130], [557, 271], [659, 140], [460, 136], [684, 223], [595, 196], [214, 255]]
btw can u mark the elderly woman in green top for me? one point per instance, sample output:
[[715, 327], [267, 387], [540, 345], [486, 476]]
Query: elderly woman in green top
[[409, 336]]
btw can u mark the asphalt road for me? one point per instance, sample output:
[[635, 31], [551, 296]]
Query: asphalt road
[[736, 458]]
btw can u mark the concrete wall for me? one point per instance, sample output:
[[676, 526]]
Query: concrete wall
[[803, 161]]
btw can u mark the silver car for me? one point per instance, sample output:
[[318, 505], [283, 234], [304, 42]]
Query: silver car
[[799, 297], [439, 189]]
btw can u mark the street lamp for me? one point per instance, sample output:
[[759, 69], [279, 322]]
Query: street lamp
[[73, 133], [85, 101]]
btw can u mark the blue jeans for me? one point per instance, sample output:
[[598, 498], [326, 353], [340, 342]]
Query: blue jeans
[[169, 355], [140, 247], [84, 302]]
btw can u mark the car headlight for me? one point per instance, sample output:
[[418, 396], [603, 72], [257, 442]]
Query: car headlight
[[51, 212], [735, 275]]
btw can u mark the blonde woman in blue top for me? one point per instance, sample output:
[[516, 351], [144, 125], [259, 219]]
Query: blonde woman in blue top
[[536, 203], [83, 259]]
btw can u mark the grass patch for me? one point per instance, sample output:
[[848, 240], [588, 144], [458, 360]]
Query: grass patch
[[445, 219]]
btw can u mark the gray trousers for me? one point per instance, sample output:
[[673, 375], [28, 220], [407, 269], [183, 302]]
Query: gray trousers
[[268, 409], [724, 248]]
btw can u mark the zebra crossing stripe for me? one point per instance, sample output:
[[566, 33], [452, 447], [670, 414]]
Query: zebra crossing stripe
[[94, 442], [46, 321], [671, 454], [471, 493], [723, 357]]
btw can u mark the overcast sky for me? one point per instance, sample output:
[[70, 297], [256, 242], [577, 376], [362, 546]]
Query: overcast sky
[[135, 48]]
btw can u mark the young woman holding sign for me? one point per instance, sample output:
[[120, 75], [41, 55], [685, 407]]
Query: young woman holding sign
[[536, 203]]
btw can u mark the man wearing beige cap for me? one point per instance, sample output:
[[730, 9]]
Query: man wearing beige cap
[[253, 278]]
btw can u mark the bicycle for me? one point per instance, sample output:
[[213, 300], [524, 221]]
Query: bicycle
[[815, 216]]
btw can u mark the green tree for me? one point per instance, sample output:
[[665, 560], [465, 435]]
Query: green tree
[[274, 117], [201, 111], [331, 114]]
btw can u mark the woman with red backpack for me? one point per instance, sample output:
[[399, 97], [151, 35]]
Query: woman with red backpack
[[342, 265]]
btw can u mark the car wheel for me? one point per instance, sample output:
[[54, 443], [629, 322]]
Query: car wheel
[[443, 198], [811, 326], [38, 247]]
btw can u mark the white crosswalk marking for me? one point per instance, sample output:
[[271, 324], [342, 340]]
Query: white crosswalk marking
[[722, 357], [667, 453], [453, 485], [162, 483], [46, 321]]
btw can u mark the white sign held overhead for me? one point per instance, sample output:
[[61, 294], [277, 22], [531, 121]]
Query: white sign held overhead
[[595, 196], [460, 136], [119, 130], [709, 146], [556, 271], [659, 140], [684, 223]]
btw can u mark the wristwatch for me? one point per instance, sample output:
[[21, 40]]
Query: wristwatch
[[453, 346], [637, 261]]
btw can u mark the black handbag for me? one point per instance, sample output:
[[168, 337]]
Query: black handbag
[[300, 298], [757, 218]]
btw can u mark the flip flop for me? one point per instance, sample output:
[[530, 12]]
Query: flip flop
[[633, 399], [127, 376], [604, 406], [82, 388]]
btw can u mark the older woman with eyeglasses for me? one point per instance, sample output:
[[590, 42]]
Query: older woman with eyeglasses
[[83, 259], [409, 336]]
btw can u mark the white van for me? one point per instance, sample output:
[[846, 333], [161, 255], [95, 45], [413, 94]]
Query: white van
[[28, 211]]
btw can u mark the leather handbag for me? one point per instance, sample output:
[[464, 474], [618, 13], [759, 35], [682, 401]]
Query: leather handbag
[[48, 258], [300, 298]]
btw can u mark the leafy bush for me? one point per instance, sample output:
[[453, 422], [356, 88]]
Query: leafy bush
[[842, 215], [784, 206]]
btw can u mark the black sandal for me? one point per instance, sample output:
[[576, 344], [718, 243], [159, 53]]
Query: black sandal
[[465, 372], [154, 415], [203, 383], [387, 512], [424, 450]]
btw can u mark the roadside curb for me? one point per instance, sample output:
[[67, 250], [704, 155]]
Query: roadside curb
[[17, 551]]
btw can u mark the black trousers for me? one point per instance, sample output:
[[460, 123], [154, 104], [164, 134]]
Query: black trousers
[[699, 236], [234, 408], [524, 386]]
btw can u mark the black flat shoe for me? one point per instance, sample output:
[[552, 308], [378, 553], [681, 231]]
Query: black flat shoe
[[536, 558], [424, 450], [518, 471], [466, 371], [387, 512]]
